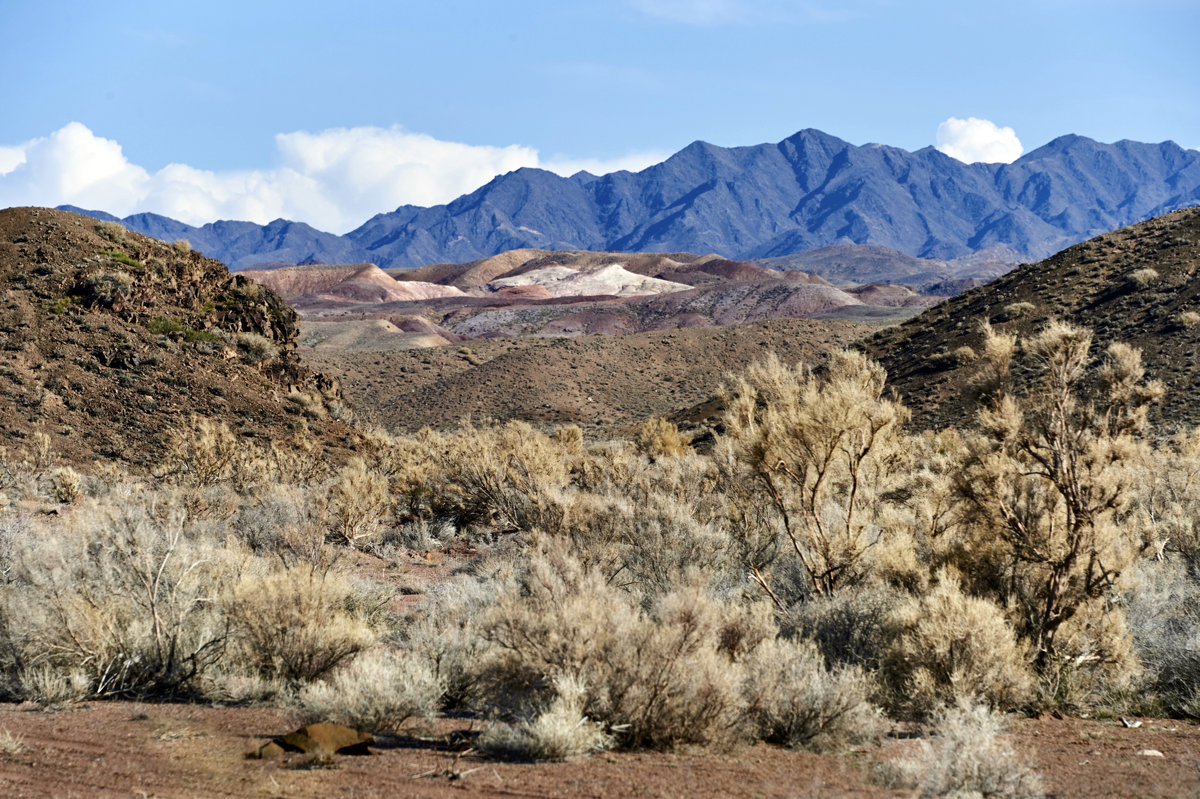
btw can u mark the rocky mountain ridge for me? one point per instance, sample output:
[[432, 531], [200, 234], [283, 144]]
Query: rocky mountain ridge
[[808, 191]]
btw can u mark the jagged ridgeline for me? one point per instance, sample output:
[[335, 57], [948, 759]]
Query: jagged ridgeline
[[768, 200], [108, 339]]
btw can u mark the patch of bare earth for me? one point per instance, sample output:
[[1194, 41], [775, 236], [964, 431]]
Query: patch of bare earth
[[603, 383], [111, 749]]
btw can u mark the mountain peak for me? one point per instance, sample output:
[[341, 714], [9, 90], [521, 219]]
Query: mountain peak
[[809, 190]]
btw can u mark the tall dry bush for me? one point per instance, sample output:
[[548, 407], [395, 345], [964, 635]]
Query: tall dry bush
[[1167, 500], [201, 452], [1048, 484], [358, 504], [659, 438], [818, 449], [287, 522], [446, 631], [1164, 617], [649, 544]]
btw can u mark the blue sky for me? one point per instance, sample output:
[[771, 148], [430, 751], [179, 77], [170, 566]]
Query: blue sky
[[329, 112]]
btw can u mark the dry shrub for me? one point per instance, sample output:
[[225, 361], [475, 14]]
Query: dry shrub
[[358, 502], [255, 348], [1049, 486], [964, 354], [970, 759], [947, 647], [415, 478], [1164, 615], [113, 231], [1094, 661], [820, 450], [1167, 500], [850, 628], [51, 686], [231, 685], [126, 599], [659, 677], [297, 461], [309, 404], [1017, 310], [1188, 319], [445, 633], [511, 475], [794, 700], [377, 691], [66, 484], [570, 437], [659, 438], [286, 522], [23, 468], [297, 624], [201, 452], [1143, 278], [560, 732], [650, 544], [181, 246], [10, 743]]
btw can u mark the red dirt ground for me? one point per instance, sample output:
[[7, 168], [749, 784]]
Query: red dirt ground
[[126, 749]]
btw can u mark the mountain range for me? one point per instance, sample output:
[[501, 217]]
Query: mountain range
[[808, 191]]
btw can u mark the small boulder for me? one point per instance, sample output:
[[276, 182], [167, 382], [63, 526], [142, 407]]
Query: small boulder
[[323, 739]]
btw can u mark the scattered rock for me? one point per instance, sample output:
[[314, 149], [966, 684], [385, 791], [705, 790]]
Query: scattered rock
[[322, 739], [1150, 753]]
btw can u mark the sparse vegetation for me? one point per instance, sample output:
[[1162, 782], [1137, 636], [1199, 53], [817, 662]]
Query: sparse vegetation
[[122, 257], [816, 574], [1144, 277], [1019, 310], [970, 758], [164, 326], [113, 231]]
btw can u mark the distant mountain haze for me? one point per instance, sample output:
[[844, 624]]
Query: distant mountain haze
[[808, 191]]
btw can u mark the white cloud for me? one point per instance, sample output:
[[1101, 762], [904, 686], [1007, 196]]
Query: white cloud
[[634, 162], [10, 159], [334, 180], [971, 140]]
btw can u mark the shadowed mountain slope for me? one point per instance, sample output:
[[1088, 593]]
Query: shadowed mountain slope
[[1137, 285]]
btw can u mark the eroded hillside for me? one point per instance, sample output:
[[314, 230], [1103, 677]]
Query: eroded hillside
[[109, 338]]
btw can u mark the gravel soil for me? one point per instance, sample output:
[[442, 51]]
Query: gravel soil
[[129, 749]]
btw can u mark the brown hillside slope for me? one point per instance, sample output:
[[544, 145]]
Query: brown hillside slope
[[356, 283], [109, 338], [605, 383], [1098, 284]]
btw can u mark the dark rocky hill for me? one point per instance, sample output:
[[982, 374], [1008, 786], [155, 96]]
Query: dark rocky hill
[[1138, 285], [108, 339], [769, 200]]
